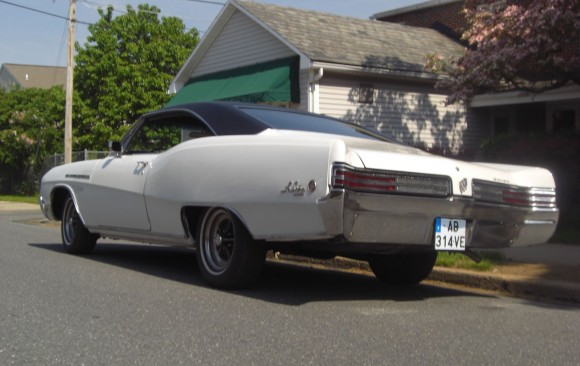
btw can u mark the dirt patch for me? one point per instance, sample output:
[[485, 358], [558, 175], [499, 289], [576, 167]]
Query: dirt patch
[[551, 272], [39, 222]]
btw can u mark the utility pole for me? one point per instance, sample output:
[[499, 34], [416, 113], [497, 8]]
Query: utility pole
[[69, 84]]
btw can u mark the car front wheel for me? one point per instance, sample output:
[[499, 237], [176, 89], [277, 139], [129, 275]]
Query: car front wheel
[[227, 255], [403, 269], [75, 237]]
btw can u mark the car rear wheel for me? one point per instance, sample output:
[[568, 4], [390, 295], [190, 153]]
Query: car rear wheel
[[75, 237], [227, 255], [403, 269]]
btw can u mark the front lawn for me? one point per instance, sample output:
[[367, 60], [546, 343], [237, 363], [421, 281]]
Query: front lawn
[[19, 198]]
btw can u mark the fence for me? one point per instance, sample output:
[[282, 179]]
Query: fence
[[58, 159], [26, 179]]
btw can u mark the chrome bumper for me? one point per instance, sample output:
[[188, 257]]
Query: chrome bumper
[[45, 207], [390, 219]]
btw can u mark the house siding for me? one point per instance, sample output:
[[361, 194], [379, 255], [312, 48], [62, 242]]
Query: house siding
[[411, 114], [242, 42]]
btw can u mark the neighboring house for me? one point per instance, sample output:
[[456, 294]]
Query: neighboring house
[[31, 76], [365, 71], [507, 112], [445, 16]]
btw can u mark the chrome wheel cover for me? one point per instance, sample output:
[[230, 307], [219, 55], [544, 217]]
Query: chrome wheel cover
[[70, 221], [218, 241]]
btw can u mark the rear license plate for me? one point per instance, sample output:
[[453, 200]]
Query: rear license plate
[[449, 234]]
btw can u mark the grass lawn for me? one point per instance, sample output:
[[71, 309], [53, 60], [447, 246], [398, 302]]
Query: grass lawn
[[19, 198], [457, 260]]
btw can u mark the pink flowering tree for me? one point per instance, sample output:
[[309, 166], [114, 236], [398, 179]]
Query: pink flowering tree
[[529, 45]]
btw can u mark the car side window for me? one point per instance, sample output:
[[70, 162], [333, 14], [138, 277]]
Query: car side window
[[159, 134]]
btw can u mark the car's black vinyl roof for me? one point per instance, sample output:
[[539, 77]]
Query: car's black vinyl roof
[[234, 118], [224, 118]]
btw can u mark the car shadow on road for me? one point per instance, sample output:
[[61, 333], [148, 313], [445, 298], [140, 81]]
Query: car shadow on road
[[280, 283]]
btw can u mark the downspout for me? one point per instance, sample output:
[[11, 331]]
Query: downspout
[[314, 77]]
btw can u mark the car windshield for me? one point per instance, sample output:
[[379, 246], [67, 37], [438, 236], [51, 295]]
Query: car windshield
[[284, 120]]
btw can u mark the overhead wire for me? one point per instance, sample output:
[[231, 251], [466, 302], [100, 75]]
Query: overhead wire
[[98, 6], [207, 2], [61, 47], [43, 12], [94, 5], [88, 4]]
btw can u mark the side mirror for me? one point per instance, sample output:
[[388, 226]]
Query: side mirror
[[115, 148]]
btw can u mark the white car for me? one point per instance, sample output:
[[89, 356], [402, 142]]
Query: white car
[[234, 180]]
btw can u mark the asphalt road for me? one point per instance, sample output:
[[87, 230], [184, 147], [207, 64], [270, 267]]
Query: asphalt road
[[146, 305]]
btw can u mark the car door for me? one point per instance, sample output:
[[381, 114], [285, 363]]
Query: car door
[[118, 183], [117, 193]]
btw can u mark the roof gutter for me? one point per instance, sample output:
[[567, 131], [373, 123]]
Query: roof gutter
[[358, 70]]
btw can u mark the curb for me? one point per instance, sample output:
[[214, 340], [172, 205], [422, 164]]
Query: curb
[[516, 286], [522, 287]]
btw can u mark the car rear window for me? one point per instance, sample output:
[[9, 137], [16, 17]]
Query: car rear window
[[287, 120]]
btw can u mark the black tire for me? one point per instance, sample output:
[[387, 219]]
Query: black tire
[[227, 255], [403, 269], [75, 236]]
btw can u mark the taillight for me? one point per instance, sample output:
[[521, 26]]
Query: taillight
[[381, 181], [514, 195]]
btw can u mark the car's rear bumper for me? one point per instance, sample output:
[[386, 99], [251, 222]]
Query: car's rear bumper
[[392, 219]]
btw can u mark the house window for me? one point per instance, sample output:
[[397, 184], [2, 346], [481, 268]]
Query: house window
[[564, 120], [501, 124], [366, 93], [563, 117]]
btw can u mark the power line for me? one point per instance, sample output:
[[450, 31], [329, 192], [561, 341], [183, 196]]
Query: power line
[[88, 3], [207, 2], [43, 12], [97, 6]]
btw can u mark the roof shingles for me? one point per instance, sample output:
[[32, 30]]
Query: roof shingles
[[351, 41]]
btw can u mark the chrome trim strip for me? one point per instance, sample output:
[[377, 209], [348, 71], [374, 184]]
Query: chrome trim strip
[[140, 236], [78, 176]]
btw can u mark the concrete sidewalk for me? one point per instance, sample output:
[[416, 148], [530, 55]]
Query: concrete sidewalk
[[18, 206], [552, 253], [548, 271]]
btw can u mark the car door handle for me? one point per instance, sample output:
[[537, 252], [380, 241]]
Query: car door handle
[[141, 165]]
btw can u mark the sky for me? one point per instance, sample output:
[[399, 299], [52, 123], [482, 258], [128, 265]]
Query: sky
[[38, 34]]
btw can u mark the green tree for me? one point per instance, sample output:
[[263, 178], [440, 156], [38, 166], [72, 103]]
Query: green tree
[[31, 127], [518, 45], [124, 70]]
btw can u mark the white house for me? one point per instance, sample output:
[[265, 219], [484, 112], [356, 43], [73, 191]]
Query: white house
[[365, 71]]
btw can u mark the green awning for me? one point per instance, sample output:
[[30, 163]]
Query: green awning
[[274, 81]]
